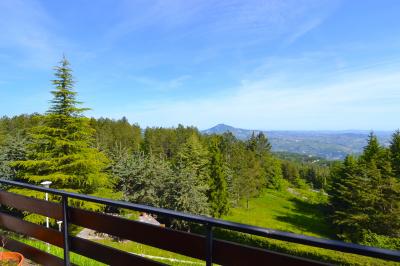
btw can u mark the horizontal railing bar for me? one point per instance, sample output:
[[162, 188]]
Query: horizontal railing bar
[[32, 253], [33, 205], [108, 255], [84, 247], [184, 243], [254, 230], [113, 256], [239, 254], [17, 225]]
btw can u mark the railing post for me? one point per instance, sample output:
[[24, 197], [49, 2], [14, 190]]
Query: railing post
[[209, 245], [65, 230]]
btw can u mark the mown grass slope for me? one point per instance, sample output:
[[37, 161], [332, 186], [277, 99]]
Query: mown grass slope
[[297, 211]]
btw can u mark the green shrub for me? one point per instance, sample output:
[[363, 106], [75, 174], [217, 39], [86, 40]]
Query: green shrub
[[371, 239]]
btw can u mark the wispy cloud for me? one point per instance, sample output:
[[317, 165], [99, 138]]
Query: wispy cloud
[[303, 29], [25, 30], [231, 23], [160, 85], [356, 99]]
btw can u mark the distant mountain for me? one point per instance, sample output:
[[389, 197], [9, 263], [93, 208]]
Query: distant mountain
[[238, 132], [331, 145]]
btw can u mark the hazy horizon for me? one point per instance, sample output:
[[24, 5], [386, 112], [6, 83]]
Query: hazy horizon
[[302, 130]]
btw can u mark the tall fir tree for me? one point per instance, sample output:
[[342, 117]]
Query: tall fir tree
[[61, 148], [194, 155], [217, 193], [372, 150], [346, 192], [250, 177], [395, 153], [13, 149], [273, 172], [259, 144], [364, 195]]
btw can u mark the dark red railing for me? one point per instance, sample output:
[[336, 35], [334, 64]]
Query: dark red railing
[[203, 247]]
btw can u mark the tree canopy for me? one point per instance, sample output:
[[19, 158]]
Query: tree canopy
[[60, 148]]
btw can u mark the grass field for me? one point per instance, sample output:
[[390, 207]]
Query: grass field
[[300, 212]]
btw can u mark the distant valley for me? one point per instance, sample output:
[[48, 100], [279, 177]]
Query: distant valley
[[332, 145]]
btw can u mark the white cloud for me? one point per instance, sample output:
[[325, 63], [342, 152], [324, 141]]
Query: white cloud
[[25, 32], [303, 29], [362, 100], [223, 23], [160, 85]]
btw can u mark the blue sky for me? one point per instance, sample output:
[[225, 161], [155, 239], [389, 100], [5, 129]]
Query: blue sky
[[293, 65]]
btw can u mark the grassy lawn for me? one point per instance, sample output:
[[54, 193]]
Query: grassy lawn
[[152, 253], [146, 251], [281, 210]]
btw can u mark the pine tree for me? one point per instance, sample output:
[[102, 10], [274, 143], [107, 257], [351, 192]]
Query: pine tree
[[251, 177], [395, 153], [13, 149], [142, 178], [185, 192], [346, 192], [273, 172], [372, 150], [111, 133], [217, 193], [148, 179], [61, 149], [364, 195], [193, 155]]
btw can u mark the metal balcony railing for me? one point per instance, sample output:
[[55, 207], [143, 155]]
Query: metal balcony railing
[[204, 247]]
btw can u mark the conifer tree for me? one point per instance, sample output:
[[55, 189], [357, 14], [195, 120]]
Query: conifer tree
[[193, 155], [61, 149], [364, 195], [13, 149], [150, 180], [345, 194], [372, 150], [259, 144], [143, 178], [217, 193], [251, 177], [273, 172], [395, 153]]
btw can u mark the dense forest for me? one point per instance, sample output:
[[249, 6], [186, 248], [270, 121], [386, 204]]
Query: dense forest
[[182, 169]]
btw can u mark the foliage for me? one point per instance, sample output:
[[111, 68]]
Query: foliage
[[14, 149], [273, 172], [167, 141], [152, 181], [371, 239], [194, 156], [365, 196], [60, 150], [217, 192], [395, 153], [142, 178], [115, 133]]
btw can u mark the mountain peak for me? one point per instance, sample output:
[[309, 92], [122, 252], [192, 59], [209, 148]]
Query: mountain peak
[[219, 129]]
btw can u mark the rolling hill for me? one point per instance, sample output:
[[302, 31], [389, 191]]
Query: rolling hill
[[332, 145]]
